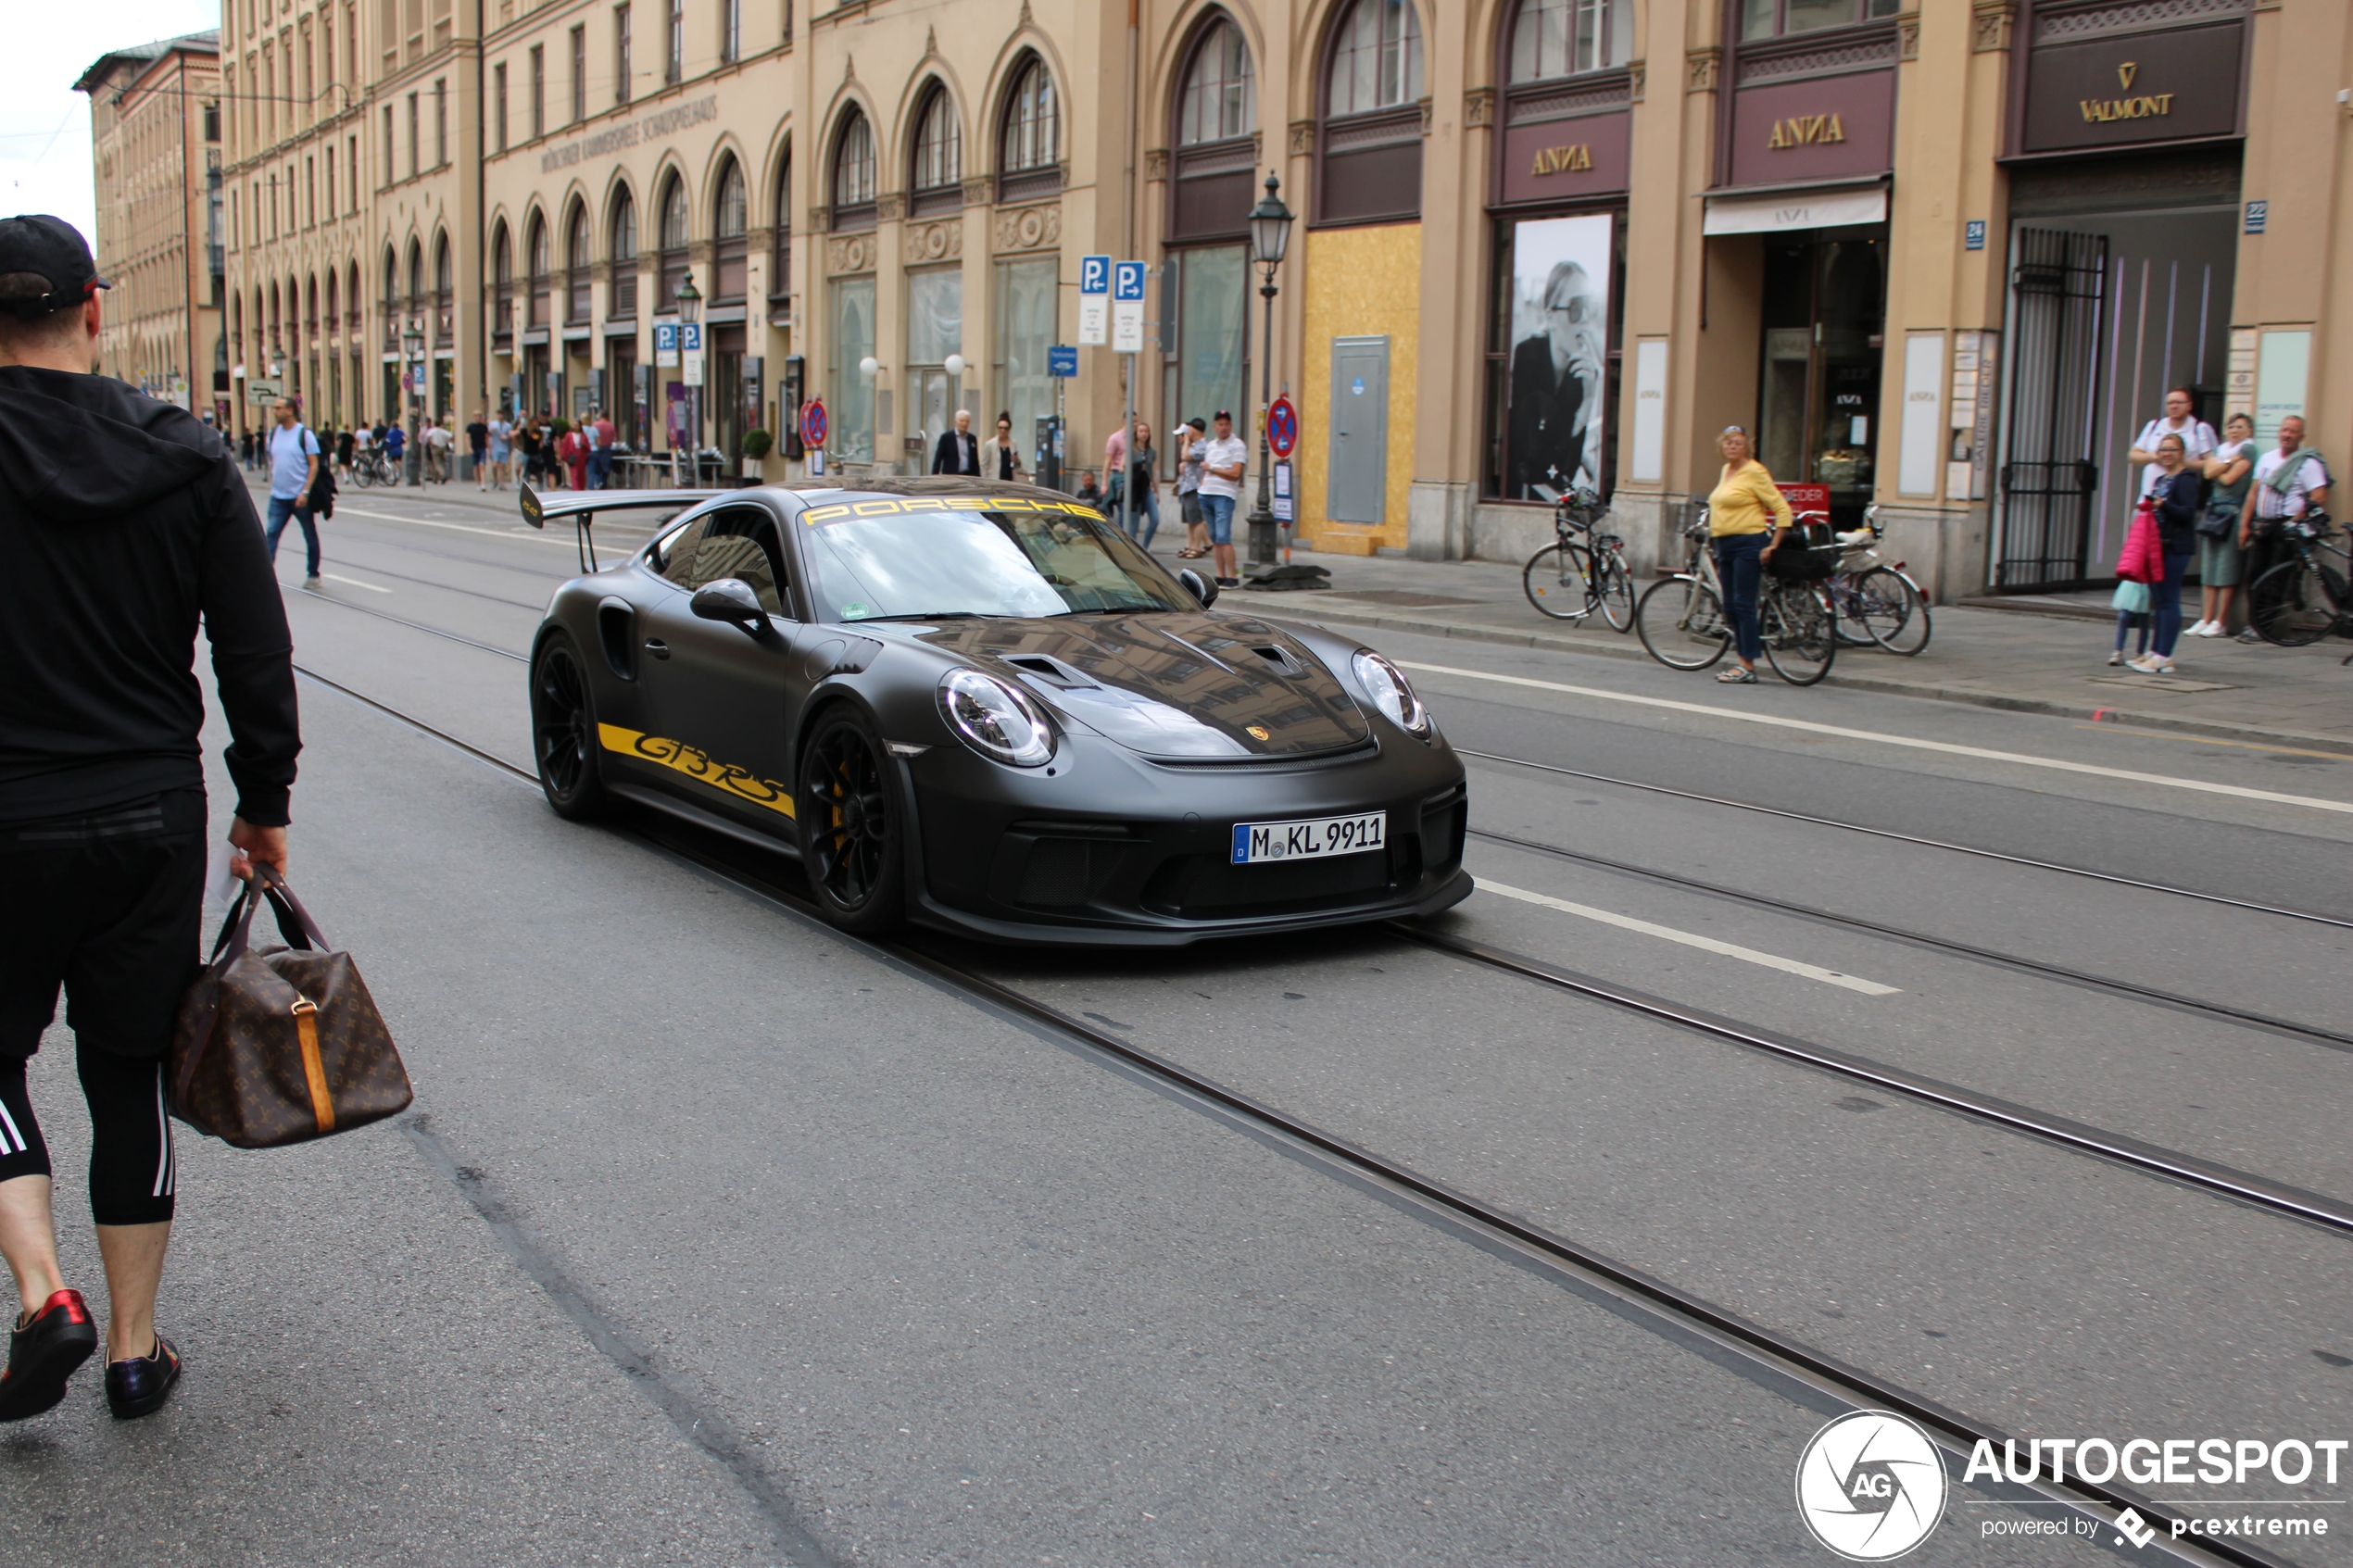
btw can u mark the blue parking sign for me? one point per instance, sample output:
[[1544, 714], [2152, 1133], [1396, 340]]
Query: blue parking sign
[[1127, 281], [1094, 274], [665, 337], [1062, 360]]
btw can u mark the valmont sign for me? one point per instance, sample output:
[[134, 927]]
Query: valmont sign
[[631, 133]]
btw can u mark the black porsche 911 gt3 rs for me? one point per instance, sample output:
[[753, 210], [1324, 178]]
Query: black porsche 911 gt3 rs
[[980, 707]]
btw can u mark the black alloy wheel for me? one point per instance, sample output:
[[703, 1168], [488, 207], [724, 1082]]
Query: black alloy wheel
[[852, 825], [563, 731]]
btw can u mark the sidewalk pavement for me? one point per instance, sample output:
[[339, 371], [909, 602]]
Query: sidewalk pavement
[[2030, 659], [2033, 655]]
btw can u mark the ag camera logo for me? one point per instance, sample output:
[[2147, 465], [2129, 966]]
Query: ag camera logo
[[1870, 1486]]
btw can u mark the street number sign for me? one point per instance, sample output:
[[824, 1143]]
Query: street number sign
[[812, 421], [1282, 427], [1062, 359], [1094, 301], [1127, 307]]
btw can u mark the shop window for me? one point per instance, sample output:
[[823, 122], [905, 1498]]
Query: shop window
[[937, 160], [1216, 111], [1369, 148], [1024, 324], [1031, 143], [1554, 38], [731, 220], [672, 242], [1552, 355], [1771, 18], [853, 182], [1818, 381], [851, 393], [1211, 290], [934, 329], [622, 299]]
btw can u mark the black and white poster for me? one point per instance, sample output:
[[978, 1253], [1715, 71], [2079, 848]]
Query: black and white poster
[[1560, 350]]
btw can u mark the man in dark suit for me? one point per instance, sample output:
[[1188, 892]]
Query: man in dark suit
[[1557, 387], [959, 449]]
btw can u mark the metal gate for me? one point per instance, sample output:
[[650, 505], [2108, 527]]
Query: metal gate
[[2058, 293]]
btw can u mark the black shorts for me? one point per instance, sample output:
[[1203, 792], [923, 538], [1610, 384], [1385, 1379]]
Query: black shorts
[[108, 906], [1188, 505]]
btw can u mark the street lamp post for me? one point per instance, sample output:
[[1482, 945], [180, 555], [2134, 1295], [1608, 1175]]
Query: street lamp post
[[1269, 238], [690, 312], [412, 349]]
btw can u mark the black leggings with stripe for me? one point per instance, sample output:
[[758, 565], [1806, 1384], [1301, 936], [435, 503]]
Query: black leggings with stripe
[[132, 1174]]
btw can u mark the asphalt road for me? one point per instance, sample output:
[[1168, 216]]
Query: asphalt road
[[716, 1238]]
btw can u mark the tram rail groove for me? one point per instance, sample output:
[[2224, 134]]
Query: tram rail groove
[[1955, 1431], [2086, 872], [412, 626], [1988, 955]]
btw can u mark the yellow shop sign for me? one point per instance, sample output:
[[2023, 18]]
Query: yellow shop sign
[[1806, 131], [1574, 160]]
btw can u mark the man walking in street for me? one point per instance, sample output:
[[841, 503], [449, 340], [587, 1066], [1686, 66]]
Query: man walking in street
[[958, 451], [2288, 480], [1222, 459], [294, 478], [600, 450], [478, 448], [123, 523]]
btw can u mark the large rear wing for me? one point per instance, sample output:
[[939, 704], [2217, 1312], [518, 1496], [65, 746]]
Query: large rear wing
[[581, 507]]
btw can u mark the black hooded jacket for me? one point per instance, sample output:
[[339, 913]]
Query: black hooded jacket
[[122, 521]]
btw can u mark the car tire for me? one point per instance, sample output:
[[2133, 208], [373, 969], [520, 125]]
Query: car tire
[[563, 731], [853, 821]]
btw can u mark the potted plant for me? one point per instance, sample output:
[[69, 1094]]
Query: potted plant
[[756, 445]]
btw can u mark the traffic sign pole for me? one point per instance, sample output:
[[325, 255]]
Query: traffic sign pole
[[1127, 337]]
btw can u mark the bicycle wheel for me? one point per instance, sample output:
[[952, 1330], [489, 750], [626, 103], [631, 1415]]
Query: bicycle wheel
[[1847, 601], [1798, 627], [363, 474], [1613, 590], [1892, 609], [1557, 581], [2295, 605], [1681, 623]]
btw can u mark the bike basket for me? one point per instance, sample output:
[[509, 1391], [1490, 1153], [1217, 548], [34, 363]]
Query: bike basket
[[1808, 555]]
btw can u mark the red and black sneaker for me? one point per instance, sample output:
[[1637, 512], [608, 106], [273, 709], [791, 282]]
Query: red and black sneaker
[[42, 1353]]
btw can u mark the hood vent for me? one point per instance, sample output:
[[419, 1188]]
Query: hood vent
[[1051, 670], [1281, 659]]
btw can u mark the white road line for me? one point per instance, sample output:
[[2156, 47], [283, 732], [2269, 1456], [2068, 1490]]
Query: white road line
[[1690, 939], [354, 581], [2202, 787]]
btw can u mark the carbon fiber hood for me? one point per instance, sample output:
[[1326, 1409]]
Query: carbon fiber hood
[[1194, 686]]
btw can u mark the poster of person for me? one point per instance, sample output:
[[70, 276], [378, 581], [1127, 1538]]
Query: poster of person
[[1560, 345]]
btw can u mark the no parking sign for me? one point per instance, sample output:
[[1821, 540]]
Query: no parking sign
[[1282, 426], [812, 421]]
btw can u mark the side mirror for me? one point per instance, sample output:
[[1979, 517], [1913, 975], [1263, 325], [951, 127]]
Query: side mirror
[[1202, 588], [730, 599]]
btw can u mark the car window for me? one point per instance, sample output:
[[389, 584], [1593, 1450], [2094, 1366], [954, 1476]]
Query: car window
[[871, 559], [739, 542]]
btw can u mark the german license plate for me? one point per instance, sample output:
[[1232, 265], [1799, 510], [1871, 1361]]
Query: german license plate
[[1306, 840]]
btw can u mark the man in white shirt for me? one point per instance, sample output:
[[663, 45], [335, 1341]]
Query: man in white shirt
[[2289, 480], [2197, 437], [1222, 460]]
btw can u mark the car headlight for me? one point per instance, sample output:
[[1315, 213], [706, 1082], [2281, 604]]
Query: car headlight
[[1387, 686], [998, 721]]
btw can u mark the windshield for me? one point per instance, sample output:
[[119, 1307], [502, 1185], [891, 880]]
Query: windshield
[[933, 559]]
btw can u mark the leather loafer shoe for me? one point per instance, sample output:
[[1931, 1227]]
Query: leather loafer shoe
[[44, 1352], [139, 1387]]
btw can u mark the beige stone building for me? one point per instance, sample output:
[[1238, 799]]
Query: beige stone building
[[1942, 256], [155, 121]]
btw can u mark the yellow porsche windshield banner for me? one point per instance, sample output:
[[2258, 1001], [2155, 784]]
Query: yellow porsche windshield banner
[[850, 511], [697, 765]]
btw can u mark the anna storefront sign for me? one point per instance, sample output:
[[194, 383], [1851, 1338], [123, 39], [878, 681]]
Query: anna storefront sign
[[1817, 128]]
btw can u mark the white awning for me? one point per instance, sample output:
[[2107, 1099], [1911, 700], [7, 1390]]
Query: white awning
[[1774, 212]]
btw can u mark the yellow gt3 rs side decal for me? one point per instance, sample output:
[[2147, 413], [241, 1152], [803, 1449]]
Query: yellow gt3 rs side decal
[[697, 765]]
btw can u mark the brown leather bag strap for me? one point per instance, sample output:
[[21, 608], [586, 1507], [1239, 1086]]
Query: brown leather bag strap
[[303, 930], [236, 926]]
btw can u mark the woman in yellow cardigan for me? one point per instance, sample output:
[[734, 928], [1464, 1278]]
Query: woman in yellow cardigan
[[1747, 518]]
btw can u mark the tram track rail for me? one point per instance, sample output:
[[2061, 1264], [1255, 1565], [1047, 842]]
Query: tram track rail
[[1572, 1263], [2329, 1037]]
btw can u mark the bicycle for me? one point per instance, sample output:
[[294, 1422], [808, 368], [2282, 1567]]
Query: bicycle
[[1570, 579], [2303, 599], [1882, 600], [373, 467], [1682, 621]]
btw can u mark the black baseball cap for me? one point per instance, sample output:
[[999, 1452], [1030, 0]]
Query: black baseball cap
[[1224, 414], [51, 250], [1198, 422]]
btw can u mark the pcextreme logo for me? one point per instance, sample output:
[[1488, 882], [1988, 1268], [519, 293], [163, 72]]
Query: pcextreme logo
[[1871, 1486]]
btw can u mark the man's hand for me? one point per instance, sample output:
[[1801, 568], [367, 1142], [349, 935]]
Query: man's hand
[[253, 844]]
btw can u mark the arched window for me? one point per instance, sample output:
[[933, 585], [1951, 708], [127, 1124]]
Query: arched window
[[1220, 99], [780, 237], [444, 302], [416, 278], [1554, 38], [731, 221], [540, 269], [351, 305], [624, 300], [334, 319], [578, 254], [1029, 147], [938, 164], [670, 239], [1377, 58], [502, 287], [1369, 146], [854, 173]]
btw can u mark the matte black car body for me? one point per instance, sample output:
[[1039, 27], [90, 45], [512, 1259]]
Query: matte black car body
[[1106, 844]]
